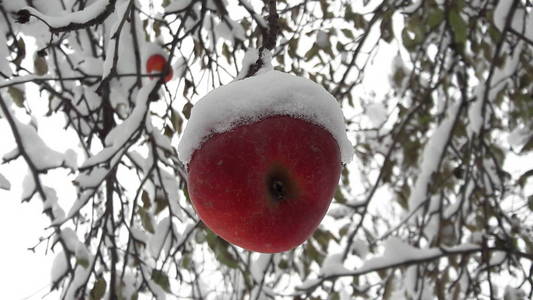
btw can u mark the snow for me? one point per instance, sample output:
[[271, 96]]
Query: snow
[[333, 264], [322, 39], [475, 116], [511, 293], [113, 37], [82, 16], [42, 156], [433, 150], [257, 17], [70, 238], [4, 53], [259, 266], [160, 240], [360, 248], [230, 30], [398, 252], [500, 13], [519, 136], [4, 183], [250, 58], [178, 5], [180, 67], [81, 275], [51, 203], [267, 94], [497, 257], [131, 285], [139, 234], [166, 181], [411, 8], [376, 113], [59, 266], [28, 186], [120, 135], [13, 154]]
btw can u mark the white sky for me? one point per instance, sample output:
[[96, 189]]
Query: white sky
[[26, 275]]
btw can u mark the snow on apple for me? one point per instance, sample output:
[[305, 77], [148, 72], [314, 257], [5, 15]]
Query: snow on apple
[[264, 157], [268, 94]]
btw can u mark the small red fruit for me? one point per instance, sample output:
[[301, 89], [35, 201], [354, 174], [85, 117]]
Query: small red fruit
[[265, 186], [156, 63]]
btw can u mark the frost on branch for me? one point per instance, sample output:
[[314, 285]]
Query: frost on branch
[[93, 14], [95, 169]]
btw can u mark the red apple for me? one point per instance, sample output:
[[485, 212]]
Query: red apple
[[156, 63], [265, 186]]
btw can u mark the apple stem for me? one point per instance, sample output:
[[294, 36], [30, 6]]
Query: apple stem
[[270, 36]]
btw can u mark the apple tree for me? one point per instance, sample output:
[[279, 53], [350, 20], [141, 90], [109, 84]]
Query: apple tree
[[437, 98]]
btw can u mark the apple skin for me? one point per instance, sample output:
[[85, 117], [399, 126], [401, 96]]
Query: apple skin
[[156, 63], [265, 186]]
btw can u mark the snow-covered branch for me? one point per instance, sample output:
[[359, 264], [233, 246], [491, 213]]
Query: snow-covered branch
[[93, 14]]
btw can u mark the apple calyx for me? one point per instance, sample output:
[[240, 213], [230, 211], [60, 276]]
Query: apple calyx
[[280, 186]]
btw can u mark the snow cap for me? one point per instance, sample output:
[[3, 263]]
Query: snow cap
[[267, 94]]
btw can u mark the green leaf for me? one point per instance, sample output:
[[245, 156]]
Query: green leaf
[[387, 34], [161, 202], [40, 66], [157, 28], [84, 262], [186, 261], [98, 290], [311, 252], [334, 296], [435, 17], [220, 248], [348, 33], [226, 52], [283, 264], [339, 196], [459, 27], [187, 110], [145, 197], [17, 95], [161, 279], [21, 52], [323, 237], [530, 202], [311, 52], [293, 46], [168, 132], [358, 20], [146, 220]]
